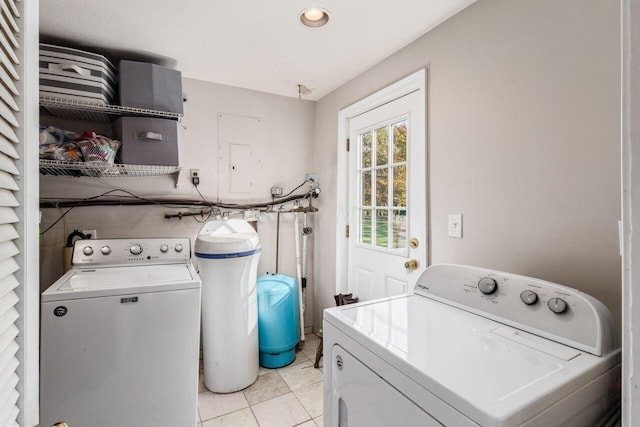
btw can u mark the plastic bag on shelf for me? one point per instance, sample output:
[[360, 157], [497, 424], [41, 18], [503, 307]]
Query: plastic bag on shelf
[[97, 148], [59, 144]]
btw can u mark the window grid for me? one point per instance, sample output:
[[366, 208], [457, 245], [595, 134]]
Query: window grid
[[369, 213]]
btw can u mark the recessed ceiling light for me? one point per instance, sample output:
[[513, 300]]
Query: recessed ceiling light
[[314, 17]]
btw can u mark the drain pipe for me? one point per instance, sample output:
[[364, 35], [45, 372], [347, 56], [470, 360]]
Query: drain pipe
[[277, 239], [306, 231], [299, 273]]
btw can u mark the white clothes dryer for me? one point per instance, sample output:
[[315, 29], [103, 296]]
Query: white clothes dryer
[[471, 347], [120, 336]]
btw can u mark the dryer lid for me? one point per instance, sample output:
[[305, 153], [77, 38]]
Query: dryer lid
[[475, 364]]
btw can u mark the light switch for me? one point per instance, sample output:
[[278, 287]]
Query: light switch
[[455, 225]]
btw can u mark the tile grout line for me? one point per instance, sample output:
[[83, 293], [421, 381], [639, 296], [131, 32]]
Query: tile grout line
[[251, 406], [303, 407]]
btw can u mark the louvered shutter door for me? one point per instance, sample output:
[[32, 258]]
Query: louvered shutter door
[[9, 30]]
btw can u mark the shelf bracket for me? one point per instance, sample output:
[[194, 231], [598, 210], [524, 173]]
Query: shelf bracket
[[176, 177]]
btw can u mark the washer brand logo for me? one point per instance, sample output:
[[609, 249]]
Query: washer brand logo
[[128, 300], [60, 311], [339, 362]]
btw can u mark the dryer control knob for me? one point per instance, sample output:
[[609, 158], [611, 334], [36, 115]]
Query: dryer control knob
[[164, 248], [557, 305], [178, 247], [87, 250], [528, 297], [487, 285], [106, 250], [135, 249]]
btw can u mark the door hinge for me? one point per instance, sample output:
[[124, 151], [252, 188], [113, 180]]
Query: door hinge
[[346, 232], [348, 144]]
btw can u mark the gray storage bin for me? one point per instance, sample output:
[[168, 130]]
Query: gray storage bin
[[147, 141], [150, 86]]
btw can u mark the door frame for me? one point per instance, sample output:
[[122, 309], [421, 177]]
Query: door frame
[[413, 82]]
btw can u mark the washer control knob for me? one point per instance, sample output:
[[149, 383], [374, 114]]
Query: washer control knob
[[106, 250], [87, 250], [135, 249], [487, 285], [557, 305], [528, 297], [178, 247], [164, 248]]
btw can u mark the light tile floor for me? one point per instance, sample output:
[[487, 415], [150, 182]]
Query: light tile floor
[[284, 397]]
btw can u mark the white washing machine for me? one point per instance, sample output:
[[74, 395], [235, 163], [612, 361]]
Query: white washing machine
[[471, 347], [120, 336]]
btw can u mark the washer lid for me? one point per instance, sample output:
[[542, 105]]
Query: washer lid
[[486, 370], [227, 237], [89, 283]]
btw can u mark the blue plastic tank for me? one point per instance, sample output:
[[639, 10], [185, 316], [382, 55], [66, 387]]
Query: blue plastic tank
[[278, 321]]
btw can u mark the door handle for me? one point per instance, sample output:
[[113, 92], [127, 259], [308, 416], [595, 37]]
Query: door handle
[[412, 264]]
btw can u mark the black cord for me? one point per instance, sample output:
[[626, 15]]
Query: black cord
[[166, 203], [290, 192], [105, 194]]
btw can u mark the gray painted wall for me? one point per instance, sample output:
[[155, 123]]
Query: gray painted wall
[[523, 140]]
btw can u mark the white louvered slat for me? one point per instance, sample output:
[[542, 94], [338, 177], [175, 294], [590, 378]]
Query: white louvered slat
[[5, 43], [8, 383], [8, 82], [7, 51], [8, 165], [7, 131], [8, 233], [7, 147], [8, 353], [8, 249], [7, 114], [8, 408], [10, 38], [14, 9], [8, 216], [8, 65], [7, 182], [8, 98], [7, 374], [8, 14], [9, 283], [9, 300], [8, 336], [8, 267], [8, 199]]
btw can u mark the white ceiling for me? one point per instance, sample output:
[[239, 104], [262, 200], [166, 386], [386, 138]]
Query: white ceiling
[[254, 44]]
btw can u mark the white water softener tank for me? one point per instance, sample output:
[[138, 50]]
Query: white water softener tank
[[227, 252]]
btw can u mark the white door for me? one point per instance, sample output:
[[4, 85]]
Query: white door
[[387, 243]]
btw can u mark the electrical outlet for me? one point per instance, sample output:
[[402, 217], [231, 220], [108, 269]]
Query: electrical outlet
[[92, 233], [195, 177], [311, 177], [455, 225], [276, 191]]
